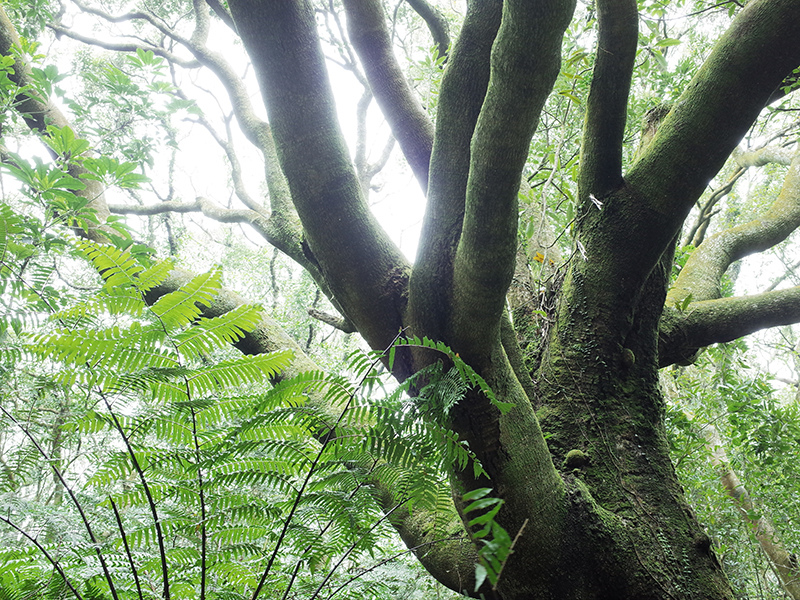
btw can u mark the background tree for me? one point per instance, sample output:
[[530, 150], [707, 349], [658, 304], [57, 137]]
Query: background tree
[[581, 461]]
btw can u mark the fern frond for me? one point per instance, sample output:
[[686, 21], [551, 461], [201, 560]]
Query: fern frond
[[243, 370], [182, 306], [123, 349], [208, 334], [117, 267], [155, 275], [119, 301]]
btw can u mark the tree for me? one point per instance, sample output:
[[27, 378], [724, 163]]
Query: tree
[[581, 460]]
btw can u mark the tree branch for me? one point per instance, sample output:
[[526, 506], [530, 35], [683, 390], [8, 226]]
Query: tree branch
[[763, 156], [335, 321], [436, 23], [222, 12], [712, 116], [410, 124], [124, 46], [683, 333], [365, 270], [267, 227], [701, 275], [607, 104], [461, 96], [526, 59]]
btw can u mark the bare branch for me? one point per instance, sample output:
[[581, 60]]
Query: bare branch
[[763, 156], [124, 46], [682, 333], [335, 321], [697, 233], [436, 23], [222, 12], [164, 28]]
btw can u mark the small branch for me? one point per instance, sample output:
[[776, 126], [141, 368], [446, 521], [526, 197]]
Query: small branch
[[701, 275], [790, 271], [222, 12], [124, 46], [697, 234], [436, 23], [411, 125], [335, 321], [683, 333], [763, 156]]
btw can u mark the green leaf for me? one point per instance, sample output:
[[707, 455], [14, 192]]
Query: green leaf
[[183, 306], [480, 576]]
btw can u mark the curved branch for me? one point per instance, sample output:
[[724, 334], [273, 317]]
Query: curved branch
[[763, 156], [334, 321], [526, 59], [124, 46], [701, 276], [683, 333], [256, 130], [607, 104], [129, 16], [222, 12], [707, 123], [269, 228], [365, 270], [436, 23], [410, 124]]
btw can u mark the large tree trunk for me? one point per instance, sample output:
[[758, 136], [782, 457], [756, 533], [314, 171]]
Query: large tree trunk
[[581, 461]]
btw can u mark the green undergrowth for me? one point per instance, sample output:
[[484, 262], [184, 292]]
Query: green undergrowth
[[143, 458]]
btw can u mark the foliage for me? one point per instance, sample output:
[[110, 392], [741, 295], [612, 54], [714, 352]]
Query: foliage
[[176, 469], [759, 429]]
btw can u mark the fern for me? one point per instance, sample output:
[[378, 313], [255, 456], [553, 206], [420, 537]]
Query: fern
[[245, 481], [183, 306]]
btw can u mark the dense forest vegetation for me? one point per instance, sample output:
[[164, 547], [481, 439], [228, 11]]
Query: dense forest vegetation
[[350, 298]]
